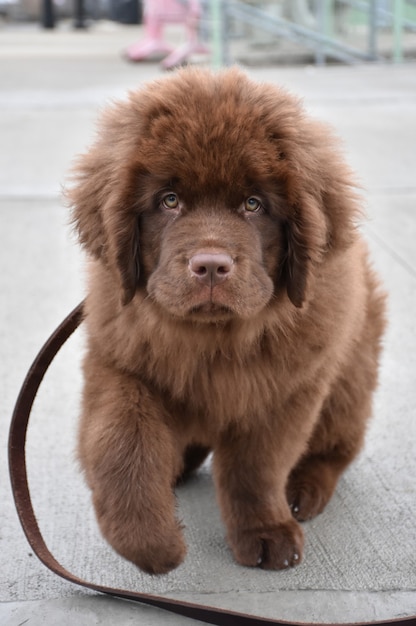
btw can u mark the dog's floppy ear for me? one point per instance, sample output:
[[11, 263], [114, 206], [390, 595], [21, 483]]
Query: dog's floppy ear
[[87, 197], [295, 268], [105, 215], [305, 239], [322, 205], [121, 224]]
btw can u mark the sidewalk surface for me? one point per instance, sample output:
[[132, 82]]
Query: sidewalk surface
[[360, 561]]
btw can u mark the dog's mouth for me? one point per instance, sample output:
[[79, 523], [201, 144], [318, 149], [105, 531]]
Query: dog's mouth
[[211, 307], [211, 310]]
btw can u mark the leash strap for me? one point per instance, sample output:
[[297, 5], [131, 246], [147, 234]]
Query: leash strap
[[21, 493]]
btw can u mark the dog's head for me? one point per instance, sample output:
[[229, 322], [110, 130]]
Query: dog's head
[[212, 193]]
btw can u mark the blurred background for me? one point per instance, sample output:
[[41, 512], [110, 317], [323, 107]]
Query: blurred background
[[252, 32], [353, 63]]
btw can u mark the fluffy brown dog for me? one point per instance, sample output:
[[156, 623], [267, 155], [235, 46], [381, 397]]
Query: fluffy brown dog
[[231, 308]]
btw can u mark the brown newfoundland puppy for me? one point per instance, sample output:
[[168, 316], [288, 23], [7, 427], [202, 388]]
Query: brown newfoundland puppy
[[231, 308]]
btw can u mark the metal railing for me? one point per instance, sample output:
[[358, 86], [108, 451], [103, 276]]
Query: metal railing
[[319, 40]]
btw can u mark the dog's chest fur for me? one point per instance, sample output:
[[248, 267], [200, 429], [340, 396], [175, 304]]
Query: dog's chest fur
[[232, 372]]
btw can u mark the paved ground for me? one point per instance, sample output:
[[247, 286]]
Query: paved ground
[[52, 86]]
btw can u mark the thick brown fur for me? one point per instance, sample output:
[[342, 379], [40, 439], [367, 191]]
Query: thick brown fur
[[271, 365]]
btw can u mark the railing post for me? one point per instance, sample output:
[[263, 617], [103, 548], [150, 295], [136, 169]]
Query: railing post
[[398, 10], [324, 23], [217, 34], [372, 29]]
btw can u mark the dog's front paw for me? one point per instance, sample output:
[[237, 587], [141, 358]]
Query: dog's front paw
[[154, 550], [160, 557], [271, 547]]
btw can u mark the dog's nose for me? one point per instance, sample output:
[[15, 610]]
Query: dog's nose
[[210, 268]]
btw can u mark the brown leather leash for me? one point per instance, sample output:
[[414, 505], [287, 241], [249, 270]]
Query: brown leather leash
[[20, 487]]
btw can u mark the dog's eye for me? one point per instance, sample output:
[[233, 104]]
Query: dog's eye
[[170, 201], [252, 204]]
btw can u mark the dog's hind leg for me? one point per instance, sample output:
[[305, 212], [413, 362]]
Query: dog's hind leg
[[337, 438], [339, 432], [193, 458], [313, 481]]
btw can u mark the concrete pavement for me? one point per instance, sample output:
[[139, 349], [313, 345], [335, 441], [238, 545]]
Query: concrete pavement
[[360, 563]]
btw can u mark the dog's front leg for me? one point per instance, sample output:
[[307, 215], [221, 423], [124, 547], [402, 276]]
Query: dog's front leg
[[260, 528], [130, 460], [251, 469]]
